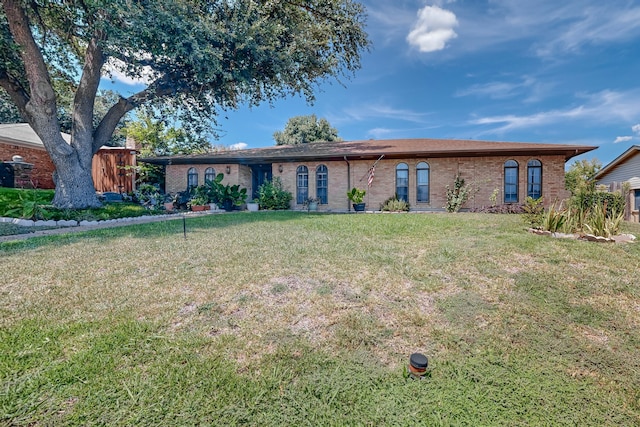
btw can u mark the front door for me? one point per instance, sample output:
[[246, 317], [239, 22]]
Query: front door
[[260, 174]]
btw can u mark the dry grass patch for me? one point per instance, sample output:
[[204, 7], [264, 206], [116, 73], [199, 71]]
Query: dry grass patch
[[292, 318]]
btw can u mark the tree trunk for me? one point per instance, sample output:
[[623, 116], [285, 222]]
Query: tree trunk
[[74, 185]]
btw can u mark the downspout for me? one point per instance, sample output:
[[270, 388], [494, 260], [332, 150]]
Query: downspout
[[348, 181]]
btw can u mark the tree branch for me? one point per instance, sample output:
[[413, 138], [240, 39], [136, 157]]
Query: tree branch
[[42, 95], [105, 129], [16, 91], [40, 108], [82, 123]]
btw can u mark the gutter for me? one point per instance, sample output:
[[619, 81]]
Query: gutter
[[348, 181]]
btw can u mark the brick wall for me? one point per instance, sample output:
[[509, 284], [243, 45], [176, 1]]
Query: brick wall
[[176, 176], [485, 174], [42, 173]]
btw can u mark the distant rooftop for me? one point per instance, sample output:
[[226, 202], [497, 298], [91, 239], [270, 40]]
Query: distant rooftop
[[22, 134]]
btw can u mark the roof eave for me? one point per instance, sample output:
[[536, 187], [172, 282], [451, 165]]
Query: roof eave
[[568, 153]]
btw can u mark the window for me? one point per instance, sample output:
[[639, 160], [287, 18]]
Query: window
[[209, 174], [422, 182], [636, 194], [534, 179], [322, 183], [511, 181], [402, 182], [192, 178], [302, 184]]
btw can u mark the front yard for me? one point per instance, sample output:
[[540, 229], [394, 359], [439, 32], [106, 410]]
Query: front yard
[[288, 318]]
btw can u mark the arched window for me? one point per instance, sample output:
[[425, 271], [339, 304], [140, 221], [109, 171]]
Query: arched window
[[511, 181], [209, 174], [302, 184], [402, 182], [322, 183], [534, 179], [422, 182], [192, 178]]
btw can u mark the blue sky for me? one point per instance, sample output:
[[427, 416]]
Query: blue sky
[[501, 70]]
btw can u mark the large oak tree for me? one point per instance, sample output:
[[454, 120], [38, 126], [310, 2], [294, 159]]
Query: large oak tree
[[198, 56]]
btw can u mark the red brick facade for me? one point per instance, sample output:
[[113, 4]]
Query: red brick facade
[[485, 174], [42, 173], [108, 172]]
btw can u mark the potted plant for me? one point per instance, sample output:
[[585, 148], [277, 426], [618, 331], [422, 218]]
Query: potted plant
[[199, 200], [226, 196], [356, 195], [168, 202], [232, 196], [311, 203], [253, 206]]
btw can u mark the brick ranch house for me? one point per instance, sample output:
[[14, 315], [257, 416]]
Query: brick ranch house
[[417, 170], [108, 164]]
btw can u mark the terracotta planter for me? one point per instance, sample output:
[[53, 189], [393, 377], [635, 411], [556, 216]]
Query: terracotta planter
[[199, 208], [168, 206]]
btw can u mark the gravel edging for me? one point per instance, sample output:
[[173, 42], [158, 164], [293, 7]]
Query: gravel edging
[[65, 227]]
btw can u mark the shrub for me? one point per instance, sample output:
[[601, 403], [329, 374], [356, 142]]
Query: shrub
[[272, 195], [614, 202], [600, 223], [149, 196], [533, 212], [507, 208], [457, 196], [393, 204], [553, 220]]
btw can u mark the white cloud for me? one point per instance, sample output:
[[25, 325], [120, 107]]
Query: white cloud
[[636, 128], [238, 146], [597, 24], [623, 139], [433, 29], [113, 69], [604, 107], [373, 111]]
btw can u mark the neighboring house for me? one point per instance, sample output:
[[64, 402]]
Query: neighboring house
[[624, 169], [417, 170], [109, 164]]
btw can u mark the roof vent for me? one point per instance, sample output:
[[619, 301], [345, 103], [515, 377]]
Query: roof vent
[[17, 159]]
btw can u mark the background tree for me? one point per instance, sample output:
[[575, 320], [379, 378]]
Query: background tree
[[304, 129], [154, 138], [8, 111], [198, 57], [581, 176]]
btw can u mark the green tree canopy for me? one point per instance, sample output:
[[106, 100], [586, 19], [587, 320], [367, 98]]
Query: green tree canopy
[[8, 111], [198, 57], [581, 176], [154, 137], [304, 129]]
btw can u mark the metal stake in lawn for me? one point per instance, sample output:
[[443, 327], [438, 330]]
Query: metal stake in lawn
[[184, 226]]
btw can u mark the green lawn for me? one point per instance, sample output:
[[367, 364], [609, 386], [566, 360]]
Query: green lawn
[[301, 319]]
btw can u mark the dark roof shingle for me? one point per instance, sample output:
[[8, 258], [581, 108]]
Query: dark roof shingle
[[372, 149]]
